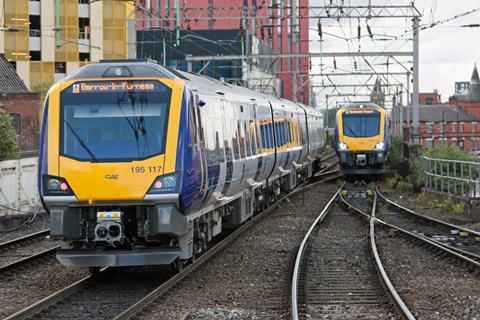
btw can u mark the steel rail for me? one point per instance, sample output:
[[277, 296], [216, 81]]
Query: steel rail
[[430, 242], [55, 297], [29, 258], [24, 238], [398, 301], [19, 241], [300, 252], [469, 254], [416, 236], [447, 224]]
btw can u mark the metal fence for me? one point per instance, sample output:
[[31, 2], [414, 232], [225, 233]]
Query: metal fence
[[18, 186], [453, 177]]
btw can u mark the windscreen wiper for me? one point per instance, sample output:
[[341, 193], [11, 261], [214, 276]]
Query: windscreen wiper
[[82, 143], [348, 127]]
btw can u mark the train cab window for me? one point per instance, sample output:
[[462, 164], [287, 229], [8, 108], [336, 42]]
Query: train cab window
[[360, 125], [100, 124]]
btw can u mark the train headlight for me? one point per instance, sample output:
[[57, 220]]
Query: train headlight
[[164, 184], [342, 146], [56, 186], [380, 146]]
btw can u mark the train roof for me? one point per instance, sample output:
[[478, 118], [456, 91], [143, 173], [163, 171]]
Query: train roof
[[203, 84], [121, 69], [362, 105]]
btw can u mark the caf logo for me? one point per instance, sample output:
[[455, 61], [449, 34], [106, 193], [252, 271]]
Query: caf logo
[[76, 88]]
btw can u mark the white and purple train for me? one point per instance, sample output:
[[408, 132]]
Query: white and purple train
[[143, 165]]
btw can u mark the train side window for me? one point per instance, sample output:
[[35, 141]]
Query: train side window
[[228, 151], [253, 137], [248, 141], [241, 137], [235, 139], [267, 135], [218, 149], [193, 121], [287, 132], [275, 129], [281, 129]]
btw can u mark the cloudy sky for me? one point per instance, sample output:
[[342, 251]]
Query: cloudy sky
[[447, 51]]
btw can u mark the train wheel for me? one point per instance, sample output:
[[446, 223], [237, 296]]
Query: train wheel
[[177, 266], [94, 270]]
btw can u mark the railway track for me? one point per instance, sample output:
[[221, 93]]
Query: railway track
[[431, 253], [104, 296], [334, 275], [464, 242], [25, 249]]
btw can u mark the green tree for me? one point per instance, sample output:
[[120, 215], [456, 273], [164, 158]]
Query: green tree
[[8, 140], [395, 156], [42, 87], [329, 117]]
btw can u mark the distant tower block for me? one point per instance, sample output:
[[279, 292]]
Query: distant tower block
[[378, 96]]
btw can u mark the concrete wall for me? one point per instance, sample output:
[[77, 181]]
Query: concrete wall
[[18, 185]]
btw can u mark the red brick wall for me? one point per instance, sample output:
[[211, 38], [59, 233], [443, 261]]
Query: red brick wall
[[452, 136], [27, 106]]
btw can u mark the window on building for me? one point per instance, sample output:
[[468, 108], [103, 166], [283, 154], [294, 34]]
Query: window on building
[[83, 1], [60, 67], [35, 56], [35, 26], [429, 127], [429, 101], [462, 126], [454, 127], [474, 127], [83, 56], [15, 121], [84, 28]]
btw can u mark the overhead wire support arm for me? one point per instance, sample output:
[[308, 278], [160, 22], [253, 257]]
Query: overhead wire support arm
[[300, 55], [357, 12]]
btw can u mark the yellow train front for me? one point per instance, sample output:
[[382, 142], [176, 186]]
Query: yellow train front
[[362, 139]]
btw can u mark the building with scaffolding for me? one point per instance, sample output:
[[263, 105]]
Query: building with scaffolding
[[173, 32], [49, 39]]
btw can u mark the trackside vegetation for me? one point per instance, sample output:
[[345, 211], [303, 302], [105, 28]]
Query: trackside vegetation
[[8, 139]]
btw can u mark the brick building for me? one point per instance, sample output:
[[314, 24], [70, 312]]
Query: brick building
[[469, 100], [21, 105], [223, 27], [446, 124], [428, 98]]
